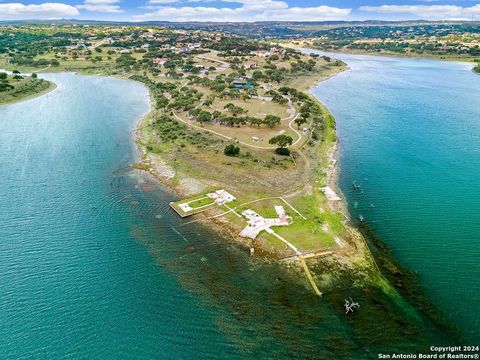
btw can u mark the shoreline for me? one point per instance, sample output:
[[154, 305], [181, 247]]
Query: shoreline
[[403, 280], [51, 87], [376, 251], [467, 61], [227, 231]]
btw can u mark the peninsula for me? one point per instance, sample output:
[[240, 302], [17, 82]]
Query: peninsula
[[17, 87], [235, 132], [228, 113]]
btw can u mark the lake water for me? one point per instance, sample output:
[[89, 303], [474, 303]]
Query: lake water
[[409, 165], [94, 265]]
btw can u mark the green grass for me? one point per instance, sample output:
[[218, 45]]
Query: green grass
[[25, 88], [201, 202], [197, 203]]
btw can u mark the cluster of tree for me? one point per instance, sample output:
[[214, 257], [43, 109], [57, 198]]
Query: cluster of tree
[[282, 141], [125, 60], [29, 61], [234, 46], [277, 97], [402, 46], [33, 42], [4, 83], [302, 66], [407, 31], [204, 116]]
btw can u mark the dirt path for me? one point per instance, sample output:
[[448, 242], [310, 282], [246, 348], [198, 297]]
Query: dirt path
[[225, 65], [293, 116]]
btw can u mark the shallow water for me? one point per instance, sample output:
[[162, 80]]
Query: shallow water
[[409, 165], [94, 265]]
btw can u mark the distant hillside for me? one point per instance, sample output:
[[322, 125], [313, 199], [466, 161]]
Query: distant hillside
[[291, 29]]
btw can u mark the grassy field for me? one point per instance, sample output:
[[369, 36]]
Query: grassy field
[[255, 107], [198, 203], [245, 133]]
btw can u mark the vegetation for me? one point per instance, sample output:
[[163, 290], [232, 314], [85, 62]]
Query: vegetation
[[218, 100], [15, 87], [231, 150], [282, 141]]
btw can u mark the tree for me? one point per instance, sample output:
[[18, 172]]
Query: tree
[[271, 120], [300, 121], [3, 76], [5, 86], [282, 141], [204, 116], [34, 76], [231, 150]]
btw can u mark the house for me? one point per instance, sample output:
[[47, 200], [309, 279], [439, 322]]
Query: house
[[251, 65], [160, 61], [124, 51], [262, 53]]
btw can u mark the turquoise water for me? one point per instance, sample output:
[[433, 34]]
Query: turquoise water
[[94, 265], [409, 133]]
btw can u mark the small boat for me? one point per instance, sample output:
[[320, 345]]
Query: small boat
[[360, 217]]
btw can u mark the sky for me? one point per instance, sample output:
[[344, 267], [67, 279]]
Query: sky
[[240, 10]]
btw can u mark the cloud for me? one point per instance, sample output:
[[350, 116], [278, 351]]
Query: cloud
[[101, 1], [17, 11], [425, 12], [163, 1], [249, 10], [105, 8]]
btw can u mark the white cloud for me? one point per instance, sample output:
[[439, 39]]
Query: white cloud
[[101, 1], [425, 12], [17, 11], [163, 1], [104, 8], [248, 10]]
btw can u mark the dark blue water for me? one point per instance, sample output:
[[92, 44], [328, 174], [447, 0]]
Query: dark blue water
[[94, 265], [409, 132]]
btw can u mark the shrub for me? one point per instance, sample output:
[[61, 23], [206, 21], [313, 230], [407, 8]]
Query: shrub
[[231, 150], [282, 151]]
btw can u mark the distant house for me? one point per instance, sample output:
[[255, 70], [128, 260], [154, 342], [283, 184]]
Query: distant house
[[251, 65], [262, 53], [160, 61], [124, 51]]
